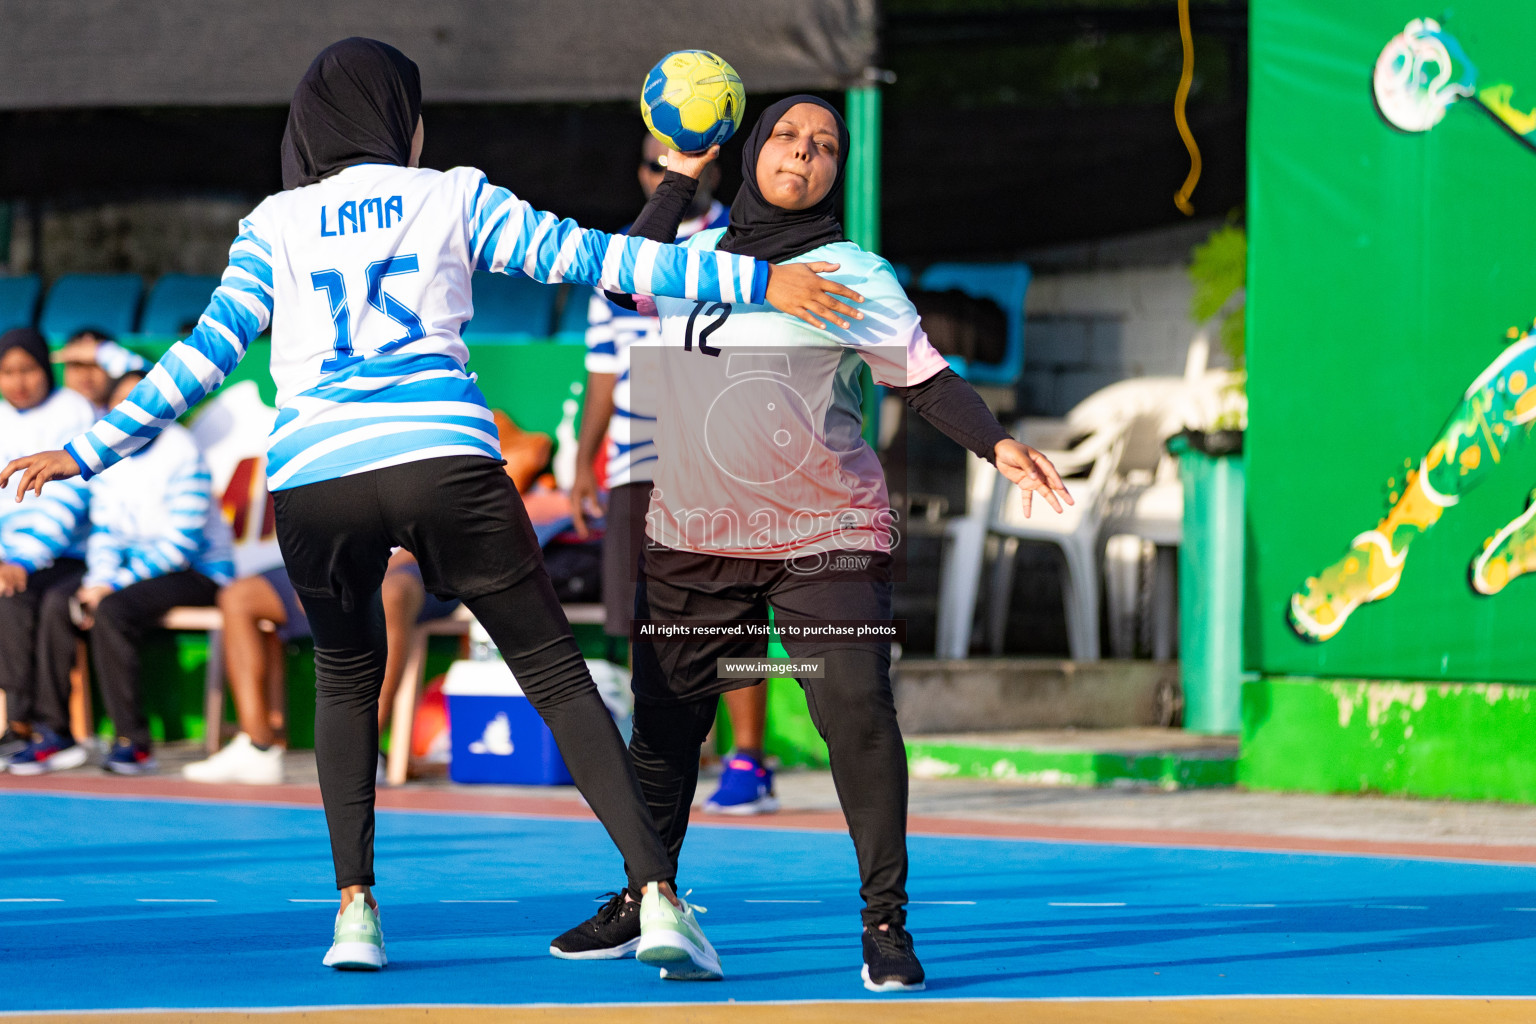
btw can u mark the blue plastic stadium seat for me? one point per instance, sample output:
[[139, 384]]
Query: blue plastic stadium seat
[[1003, 283], [571, 328], [18, 301], [174, 301], [512, 308], [106, 301]]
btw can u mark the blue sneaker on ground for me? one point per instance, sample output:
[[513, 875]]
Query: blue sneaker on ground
[[128, 759], [746, 787], [48, 752]]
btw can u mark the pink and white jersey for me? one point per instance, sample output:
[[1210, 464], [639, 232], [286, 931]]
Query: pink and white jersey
[[759, 420]]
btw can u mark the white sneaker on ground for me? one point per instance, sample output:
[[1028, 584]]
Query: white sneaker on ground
[[240, 762], [359, 940], [670, 938]]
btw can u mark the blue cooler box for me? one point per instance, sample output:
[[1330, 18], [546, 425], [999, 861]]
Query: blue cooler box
[[496, 734]]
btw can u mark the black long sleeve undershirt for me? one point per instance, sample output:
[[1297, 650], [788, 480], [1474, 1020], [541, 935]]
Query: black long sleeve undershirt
[[945, 399], [662, 216], [953, 406]]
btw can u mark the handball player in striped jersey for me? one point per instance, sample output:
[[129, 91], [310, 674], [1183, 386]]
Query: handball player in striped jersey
[[765, 494], [361, 268]]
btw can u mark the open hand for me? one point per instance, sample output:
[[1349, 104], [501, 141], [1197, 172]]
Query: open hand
[[1032, 473], [38, 469], [799, 290]]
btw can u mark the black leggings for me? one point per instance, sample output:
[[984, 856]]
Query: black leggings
[[854, 711], [467, 527]]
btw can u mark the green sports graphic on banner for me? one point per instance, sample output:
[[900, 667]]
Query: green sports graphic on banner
[[1392, 366]]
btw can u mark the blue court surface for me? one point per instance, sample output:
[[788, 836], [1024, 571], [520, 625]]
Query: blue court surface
[[129, 903]]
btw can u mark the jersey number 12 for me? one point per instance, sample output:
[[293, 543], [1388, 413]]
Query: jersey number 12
[[335, 287]]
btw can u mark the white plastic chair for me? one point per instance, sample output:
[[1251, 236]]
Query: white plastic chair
[[1087, 469], [965, 542], [1144, 513], [1124, 483]]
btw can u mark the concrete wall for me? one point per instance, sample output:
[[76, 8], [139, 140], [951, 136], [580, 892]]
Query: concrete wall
[[1099, 313]]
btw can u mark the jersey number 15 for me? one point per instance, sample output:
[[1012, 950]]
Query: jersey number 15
[[335, 287]]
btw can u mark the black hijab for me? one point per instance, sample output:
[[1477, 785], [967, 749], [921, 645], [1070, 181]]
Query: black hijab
[[34, 345], [767, 232], [357, 104]]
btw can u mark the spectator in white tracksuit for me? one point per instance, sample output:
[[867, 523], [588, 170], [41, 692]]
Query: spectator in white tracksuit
[[158, 541], [42, 544]]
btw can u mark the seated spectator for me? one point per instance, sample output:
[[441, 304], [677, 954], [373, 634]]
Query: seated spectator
[[42, 542], [92, 361], [157, 541], [254, 757]]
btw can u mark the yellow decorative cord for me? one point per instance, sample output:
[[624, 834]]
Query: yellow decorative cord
[[1181, 198]]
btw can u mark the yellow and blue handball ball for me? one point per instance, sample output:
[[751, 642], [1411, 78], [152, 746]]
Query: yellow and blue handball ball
[[692, 100]]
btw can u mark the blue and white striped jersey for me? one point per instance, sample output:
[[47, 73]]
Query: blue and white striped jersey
[[35, 534], [365, 280], [611, 330], [154, 514]]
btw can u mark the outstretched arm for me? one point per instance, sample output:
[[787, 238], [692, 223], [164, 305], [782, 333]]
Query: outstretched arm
[[952, 405], [508, 235], [240, 309]]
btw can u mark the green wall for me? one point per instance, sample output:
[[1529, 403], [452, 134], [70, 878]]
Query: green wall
[[1385, 269], [1469, 741]]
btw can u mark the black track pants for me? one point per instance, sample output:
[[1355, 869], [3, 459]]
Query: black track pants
[[122, 619], [854, 711]]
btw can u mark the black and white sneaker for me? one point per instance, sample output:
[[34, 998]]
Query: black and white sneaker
[[611, 934], [889, 963]]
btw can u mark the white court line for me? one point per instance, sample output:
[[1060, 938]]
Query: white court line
[[477, 901], [1383, 906], [781, 901], [941, 903], [1239, 904], [141, 900], [30, 899], [1085, 904], [313, 901], [1527, 910]]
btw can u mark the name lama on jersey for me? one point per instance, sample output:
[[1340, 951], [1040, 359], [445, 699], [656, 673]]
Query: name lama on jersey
[[385, 213]]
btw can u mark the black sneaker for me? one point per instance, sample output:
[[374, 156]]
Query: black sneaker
[[889, 963], [611, 934]]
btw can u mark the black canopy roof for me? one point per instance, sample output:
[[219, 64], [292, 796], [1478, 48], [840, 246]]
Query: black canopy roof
[[106, 53]]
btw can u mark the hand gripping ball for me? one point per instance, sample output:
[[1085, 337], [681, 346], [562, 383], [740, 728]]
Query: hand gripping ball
[[692, 100]]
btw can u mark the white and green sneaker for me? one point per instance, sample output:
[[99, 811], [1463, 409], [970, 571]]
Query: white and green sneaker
[[359, 942], [670, 938]]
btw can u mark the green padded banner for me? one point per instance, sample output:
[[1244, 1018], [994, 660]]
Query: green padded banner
[[1392, 278]]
